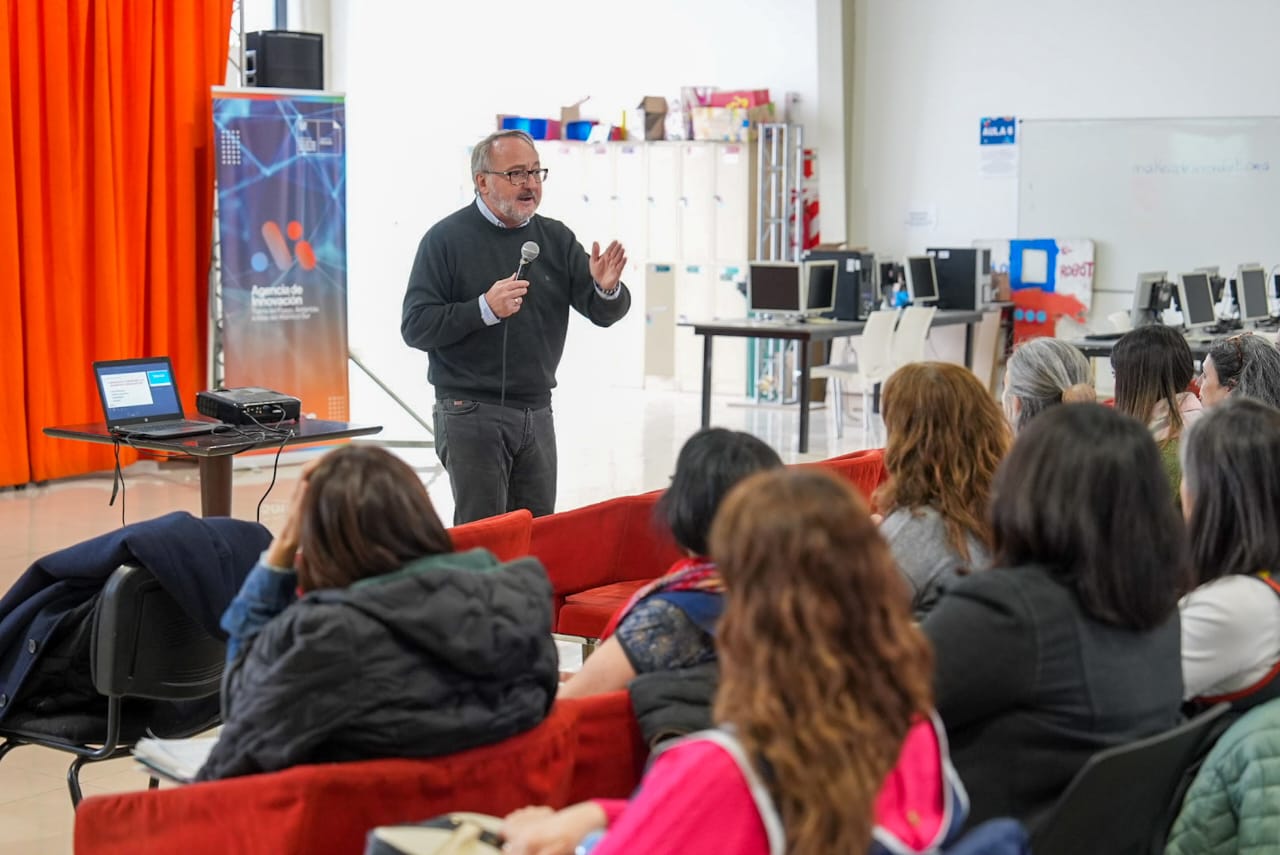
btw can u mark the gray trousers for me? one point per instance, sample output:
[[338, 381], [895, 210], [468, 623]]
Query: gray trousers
[[498, 458]]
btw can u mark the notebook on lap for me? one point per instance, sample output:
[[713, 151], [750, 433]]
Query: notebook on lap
[[140, 398]]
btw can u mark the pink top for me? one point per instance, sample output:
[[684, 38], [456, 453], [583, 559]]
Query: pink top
[[696, 799], [693, 799]]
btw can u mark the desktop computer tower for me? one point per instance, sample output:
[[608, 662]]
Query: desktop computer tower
[[964, 277], [855, 281]]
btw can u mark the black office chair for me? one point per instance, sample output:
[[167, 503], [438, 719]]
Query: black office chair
[[158, 670], [1120, 801]]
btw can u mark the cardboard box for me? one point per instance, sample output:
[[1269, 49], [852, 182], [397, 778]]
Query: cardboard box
[[655, 116], [732, 124], [739, 98], [571, 113]]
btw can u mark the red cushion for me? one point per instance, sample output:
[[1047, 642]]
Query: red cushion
[[506, 535], [330, 807], [588, 612]]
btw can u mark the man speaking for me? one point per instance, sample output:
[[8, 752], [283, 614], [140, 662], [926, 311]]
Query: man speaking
[[488, 300]]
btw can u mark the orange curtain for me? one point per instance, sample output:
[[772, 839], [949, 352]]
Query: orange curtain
[[106, 199]]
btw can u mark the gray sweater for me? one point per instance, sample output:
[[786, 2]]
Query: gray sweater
[[918, 540], [458, 260]]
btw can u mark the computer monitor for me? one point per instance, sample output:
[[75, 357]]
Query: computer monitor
[[1195, 297], [819, 279], [775, 287], [922, 279], [1150, 297], [1252, 293]]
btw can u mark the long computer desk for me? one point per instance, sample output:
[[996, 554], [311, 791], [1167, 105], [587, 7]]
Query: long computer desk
[[214, 451], [1101, 347], [805, 332]]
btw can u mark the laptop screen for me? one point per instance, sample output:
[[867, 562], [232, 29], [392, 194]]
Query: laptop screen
[[137, 391]]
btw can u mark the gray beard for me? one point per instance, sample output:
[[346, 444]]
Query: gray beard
[[509, 211]]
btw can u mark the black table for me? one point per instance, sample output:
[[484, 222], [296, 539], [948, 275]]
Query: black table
[[214, 451], [804, 333], [1101, 348]]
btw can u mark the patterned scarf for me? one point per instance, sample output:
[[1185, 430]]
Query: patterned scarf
[[689, 574]]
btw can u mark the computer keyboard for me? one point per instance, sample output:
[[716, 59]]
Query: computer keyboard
[[1103, 336]]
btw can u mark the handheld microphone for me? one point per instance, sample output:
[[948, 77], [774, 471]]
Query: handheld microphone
[[528, 253]]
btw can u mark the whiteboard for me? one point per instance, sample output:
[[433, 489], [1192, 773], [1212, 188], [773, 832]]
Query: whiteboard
[[1153, 194]]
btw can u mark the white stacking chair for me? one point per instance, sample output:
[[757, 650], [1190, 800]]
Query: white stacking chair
[[1120, 321], [987, 345], [872, 365], [908, 340]]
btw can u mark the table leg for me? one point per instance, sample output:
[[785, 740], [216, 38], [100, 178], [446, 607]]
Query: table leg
[[215, 486], [706, 380], [802, 348], [968, 346]]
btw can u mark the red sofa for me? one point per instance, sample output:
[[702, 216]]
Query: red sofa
[[599, 555], [588, 747]]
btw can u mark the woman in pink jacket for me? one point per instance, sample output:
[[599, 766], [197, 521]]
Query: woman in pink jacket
[[827, 737]]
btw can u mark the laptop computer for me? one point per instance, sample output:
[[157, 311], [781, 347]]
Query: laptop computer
[[140, 398]]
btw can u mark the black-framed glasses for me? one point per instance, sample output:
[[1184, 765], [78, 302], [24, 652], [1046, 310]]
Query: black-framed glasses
[[522, 176]]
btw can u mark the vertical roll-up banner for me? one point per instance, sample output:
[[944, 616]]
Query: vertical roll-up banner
[[282, 223]]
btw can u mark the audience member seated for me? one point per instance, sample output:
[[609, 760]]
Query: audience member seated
[[1244, 364], [670, 624], [1042, 373], [824, 694], [1231, 498], [1154, 368], [944, 438], [1260, 378], [1231, 807], [1070, 643], [397, 646]]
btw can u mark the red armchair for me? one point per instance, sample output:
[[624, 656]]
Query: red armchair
[[589, 747], [864, 469], [598, 556]]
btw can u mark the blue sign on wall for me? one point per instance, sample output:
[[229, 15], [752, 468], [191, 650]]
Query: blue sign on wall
[[997, 130]]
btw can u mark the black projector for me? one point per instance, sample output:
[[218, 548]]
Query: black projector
[[249, 405]]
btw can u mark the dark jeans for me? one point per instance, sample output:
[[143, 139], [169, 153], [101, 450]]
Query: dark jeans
[[498, 458]]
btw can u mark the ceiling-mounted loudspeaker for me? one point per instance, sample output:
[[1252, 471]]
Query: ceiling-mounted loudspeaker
[[284, 59]]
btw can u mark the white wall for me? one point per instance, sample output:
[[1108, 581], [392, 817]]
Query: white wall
[[926, 71], [423, 84]]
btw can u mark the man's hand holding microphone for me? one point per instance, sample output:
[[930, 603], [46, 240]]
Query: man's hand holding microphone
[[506, 296]]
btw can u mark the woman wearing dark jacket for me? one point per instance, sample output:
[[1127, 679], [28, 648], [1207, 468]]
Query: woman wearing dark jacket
[[362, 634], [1071, 644]]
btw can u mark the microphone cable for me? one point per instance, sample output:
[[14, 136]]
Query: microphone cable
[[529, 252]]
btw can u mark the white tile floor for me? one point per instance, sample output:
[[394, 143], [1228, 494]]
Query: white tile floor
[[611, 442]]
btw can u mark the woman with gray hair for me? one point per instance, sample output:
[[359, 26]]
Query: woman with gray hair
[[1260, 377], [1040, 373], [1246, 364]]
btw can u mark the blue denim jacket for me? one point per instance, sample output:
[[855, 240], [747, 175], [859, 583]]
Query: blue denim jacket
[[266, 592]]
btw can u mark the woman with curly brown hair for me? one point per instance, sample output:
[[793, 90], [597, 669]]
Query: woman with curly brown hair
[[945, 436], [824, 694]]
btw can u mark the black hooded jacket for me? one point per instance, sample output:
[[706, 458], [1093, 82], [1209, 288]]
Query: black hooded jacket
[[451, 652]]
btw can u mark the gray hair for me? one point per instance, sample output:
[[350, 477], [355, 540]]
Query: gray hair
[[1260, 376], [481, 155], [1040, 371]]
